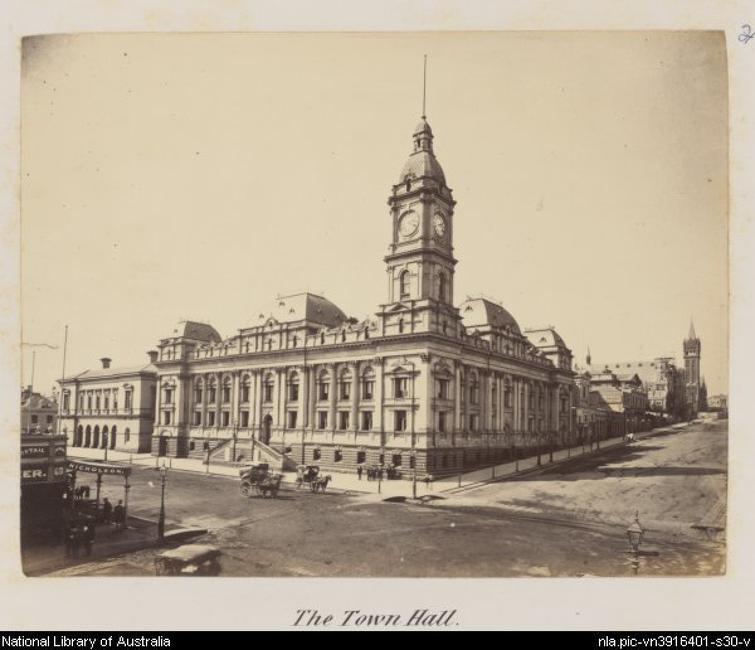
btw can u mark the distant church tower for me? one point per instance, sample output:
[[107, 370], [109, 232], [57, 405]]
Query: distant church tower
[[692, 369]]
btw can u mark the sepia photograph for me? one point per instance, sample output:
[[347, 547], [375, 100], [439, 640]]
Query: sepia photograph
[[376, 305]]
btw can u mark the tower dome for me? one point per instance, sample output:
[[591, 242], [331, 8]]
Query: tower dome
[[422, 162]]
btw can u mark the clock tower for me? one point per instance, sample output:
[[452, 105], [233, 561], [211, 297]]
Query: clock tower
[[420, 262]]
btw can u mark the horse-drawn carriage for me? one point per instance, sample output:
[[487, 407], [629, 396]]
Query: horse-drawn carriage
[[309, 476], [258, 479]]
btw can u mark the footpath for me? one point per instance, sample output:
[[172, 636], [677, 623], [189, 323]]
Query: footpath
[[43, 558], [344, 482]]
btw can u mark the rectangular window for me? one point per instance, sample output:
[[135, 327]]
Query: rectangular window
[[343, 420], [292, 419], [211, 419], [211, 395], [107, 402], [396, 460], [412, 462], [443, 389], [361, 457], [198, 396], [322, 419], [34, 419], [366, 420], [197, 418], [399, 420], [441, 421], [368, 389], [226, 394], [166, 417], [168, 396], [66, 401], [293, 392], [400, 387], [345, 390], [225, 418], [316, 454], [97, 405], [128, 399], [244, 419], [245, 393], [473, 423], [268, 393], [337, 455]]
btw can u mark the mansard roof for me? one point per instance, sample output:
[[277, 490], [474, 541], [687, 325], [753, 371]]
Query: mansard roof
[[545, 337], [304, 306], [197, 331], [479, 312]]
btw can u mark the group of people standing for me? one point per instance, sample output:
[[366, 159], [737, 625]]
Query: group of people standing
[[80, 532]]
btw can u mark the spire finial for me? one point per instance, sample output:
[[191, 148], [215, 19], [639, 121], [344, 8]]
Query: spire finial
[[692, 334], [424, 87]]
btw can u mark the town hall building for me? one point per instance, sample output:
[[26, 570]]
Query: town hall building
[[427, 384]]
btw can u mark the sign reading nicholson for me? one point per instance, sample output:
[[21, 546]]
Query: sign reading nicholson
[[99, 468]]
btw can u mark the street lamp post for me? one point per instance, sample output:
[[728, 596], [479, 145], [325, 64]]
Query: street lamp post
[[161, 519], [635, 533]]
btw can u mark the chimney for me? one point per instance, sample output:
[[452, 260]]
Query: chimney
[[152, 356], [105, 362]]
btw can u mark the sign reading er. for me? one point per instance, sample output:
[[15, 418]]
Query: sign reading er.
[[99, 468]]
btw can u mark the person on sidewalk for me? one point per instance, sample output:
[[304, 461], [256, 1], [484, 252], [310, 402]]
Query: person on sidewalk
[[88, 537], [70, 534], [359, 472], [75, 540], [119, 515], [107, 511]]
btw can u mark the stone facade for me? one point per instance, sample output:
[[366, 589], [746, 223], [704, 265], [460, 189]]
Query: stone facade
[[110, 407], [424, 385]]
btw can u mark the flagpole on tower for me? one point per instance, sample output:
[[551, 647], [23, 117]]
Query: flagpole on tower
[[424, 87]]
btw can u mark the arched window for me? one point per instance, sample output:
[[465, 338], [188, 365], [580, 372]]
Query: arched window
[[293, 387], [403, 284], [323, 386], [442, 287]]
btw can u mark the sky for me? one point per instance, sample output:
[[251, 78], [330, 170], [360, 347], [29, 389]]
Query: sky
[[198, 176]]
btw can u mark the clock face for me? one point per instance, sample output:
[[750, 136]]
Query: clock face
[[439, 225], [408, 224]]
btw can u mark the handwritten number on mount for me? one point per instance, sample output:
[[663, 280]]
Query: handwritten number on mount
[[746, 34]]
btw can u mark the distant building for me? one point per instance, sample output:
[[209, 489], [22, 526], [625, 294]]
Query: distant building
[[622, 394], [718, 403], [595, 420], [38, 413], [692, 349], [113, 407]]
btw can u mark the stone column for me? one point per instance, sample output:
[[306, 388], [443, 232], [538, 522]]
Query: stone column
[[377, 416], [354, 396], [235, 397], [457, 424], [333, 367]]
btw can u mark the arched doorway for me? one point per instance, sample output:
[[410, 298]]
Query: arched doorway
[[96, 437], [112, 437], [79, 438], [104, 437], [267, 422], [88, 438]]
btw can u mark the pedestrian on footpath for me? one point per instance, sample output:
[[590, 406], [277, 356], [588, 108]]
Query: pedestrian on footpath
[[75, 541], [359, 471], [107, 511], [88, 538], [119, 515]]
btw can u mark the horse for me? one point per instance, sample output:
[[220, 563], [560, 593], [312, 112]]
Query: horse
[[321, 483]]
